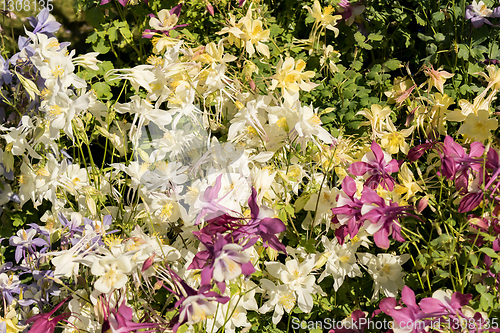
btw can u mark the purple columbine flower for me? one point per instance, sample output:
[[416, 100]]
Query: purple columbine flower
[[477, 13], [382, 218], [5, 74], [411, 315], [350, 12], [263, 225], [456, 163], [378, 165], [120, 321], [44, 23], [348, 211], [9, 284], [221, 260], [24, 241], [194, 305], [44, 323]]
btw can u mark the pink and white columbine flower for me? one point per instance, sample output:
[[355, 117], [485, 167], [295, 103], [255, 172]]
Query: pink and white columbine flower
[[376, 166]]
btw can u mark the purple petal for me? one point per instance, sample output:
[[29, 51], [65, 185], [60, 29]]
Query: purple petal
[[381, 239], [470, 202], [176, 10], [359, 168], [349, 186]]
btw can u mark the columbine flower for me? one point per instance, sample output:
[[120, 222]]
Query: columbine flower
[[376, 116], [437, 78], [88, 60], [112, 269], [8, 286], [477, 12], [289, 76], [43, 323], [165, 22], [281, 299], [381, 219], [44, 23], [386, 271], [393, 141], [120, 321], [340, 261], [24, 242], [478, 127], [350, 12], [376, 166], [297, 277], [348, 210], [165, 176]]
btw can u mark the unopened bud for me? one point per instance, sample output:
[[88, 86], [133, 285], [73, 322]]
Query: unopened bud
[[148, 263], [422, 204], [210, 9]]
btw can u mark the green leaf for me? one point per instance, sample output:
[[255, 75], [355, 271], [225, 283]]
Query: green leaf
[[301, 202], [92, 38], [487, 301], [392, 64], [102, 89], [309, 245], [359, 37], [473, 259], [95, 16], [125, 31], [438, 16], [101, 47], [489, 252], [375, 37], [112, 34], [424, 37], [463, 51], [420, 21], [439, 37]]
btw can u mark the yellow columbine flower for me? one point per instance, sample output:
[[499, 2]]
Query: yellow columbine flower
[[437, 78], [478, 127], [406, 184], [394, 141]]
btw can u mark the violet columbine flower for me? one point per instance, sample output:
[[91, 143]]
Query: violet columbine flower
[[350, 12], [24, 241], [9, 284], [194, 305], [121, 321], [411, 315], [348, 210], [478, 13], [263, 225], [221, 260], [44, 23], [378, 165], [445, 303], [5, 74], [382, 219], [43, 323], [456, 163]]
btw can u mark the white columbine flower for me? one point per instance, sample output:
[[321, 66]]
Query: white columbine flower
[[386, 272], [341, 261], [296, 276], [112, 268], [281, 299]]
